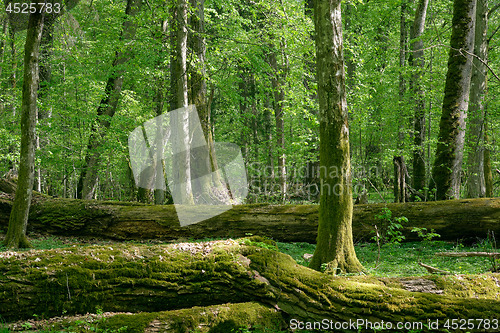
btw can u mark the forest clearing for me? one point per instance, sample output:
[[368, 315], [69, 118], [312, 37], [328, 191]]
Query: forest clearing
[[249, 166]]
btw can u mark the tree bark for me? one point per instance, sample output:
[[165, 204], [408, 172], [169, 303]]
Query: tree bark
[[335, 243], [277, 80], [449, 154], [476, 187], [125, 277], [403, 37], [18, 221], [181, 163], [458, 219], [488, 175], [107, 108], [205, 162], [400, 173], [417, 61]]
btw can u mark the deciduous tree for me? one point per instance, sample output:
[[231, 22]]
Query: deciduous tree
[[16, 234], [449, 154], [335, 244]]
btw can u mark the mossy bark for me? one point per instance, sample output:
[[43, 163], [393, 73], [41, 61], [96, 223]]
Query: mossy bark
[[449, 154], [159, 278], [452, 219], [16, 233], [476, 186], [335, 243]]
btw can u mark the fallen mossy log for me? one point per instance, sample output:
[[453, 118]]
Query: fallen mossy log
[[131, 278], [452, 219], [221, 318]]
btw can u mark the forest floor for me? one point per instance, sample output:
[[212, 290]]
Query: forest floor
[[391, 260]]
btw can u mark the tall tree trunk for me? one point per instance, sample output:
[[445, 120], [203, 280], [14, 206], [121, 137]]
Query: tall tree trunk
[[488, 176], [277, 80], [3, 42], [11, 106], [476, 187], [269, 174], [159, 194], [403, 34], [417, 61], [205, 159], [449, 154], [107, 108], [311, 179], [16, 234], [335, 244], [181, 166], [46, 52]]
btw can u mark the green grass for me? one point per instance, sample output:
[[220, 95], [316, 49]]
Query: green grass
[[397, 260]]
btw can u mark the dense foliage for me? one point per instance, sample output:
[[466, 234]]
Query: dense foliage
[[242, 39]]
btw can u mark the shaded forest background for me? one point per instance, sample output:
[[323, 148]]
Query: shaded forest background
[[261, 93]]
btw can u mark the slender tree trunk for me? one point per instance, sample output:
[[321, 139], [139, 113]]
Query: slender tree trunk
[[46, 52], [3, 42], [159, 194], [16, 234], [417, 61], [205, 159], [449, 154], [181, 164], [402, 84], [279, 98], [476, 187], [335, 243], [13, 73], [488, 176], [269, 175], [87, 183]]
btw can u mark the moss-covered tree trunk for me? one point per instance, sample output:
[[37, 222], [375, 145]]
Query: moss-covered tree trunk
[[458, 219], [106, 110], [16, 233], [476, 187], [449, 154], [417, 61], [334, 244], [125, 277]]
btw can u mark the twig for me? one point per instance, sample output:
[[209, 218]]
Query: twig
[[378, 245], [433, 270], [67, 286], [469, 254], [380, 195]]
